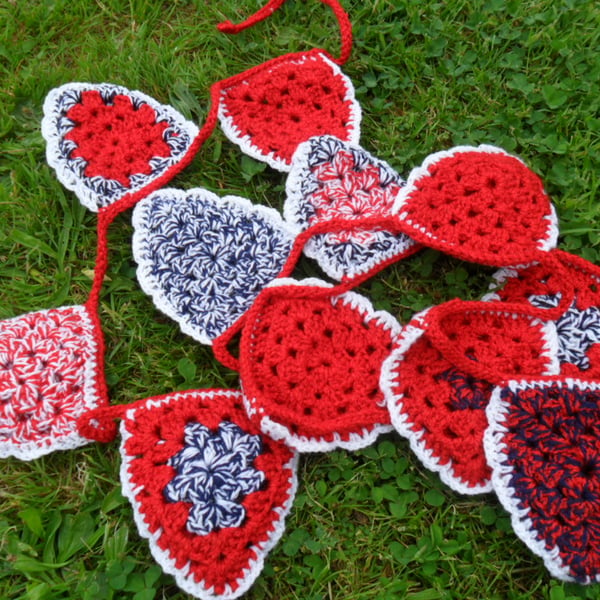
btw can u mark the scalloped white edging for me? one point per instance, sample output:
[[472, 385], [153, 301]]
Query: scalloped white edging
[[315, 248], [184, 578], [245, 142], [152, 286], [350, 441], [31, 450], [55, 125], [544, 244], [494, 446]]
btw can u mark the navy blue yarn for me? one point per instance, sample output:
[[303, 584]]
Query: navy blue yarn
[[551, 445], [349, 254], [467, 392], [211, 260], [577, 330], [215, 473]]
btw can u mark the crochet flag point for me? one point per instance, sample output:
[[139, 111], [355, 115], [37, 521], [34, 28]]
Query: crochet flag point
[[105, 141], [49, 363], [332, 179], [310, 363], [209, 491], [439, 377], [578, 325], [271, 109], [543, 445], [203, 259], [478, 204]]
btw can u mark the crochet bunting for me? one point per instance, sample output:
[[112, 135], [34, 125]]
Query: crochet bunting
[[332, 179], [437, 389], [310, 366], [105, 141], [478, 204], [209, 491], [578, 328], [271, 109], [203, 259], [48, 378], [543, 445]]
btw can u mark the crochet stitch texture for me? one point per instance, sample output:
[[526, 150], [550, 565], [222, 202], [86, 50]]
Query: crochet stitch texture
[[275, 107], [480, 389], [47, 380], [330, 179], [169, 445], [543, 445], [105, 140], [204, 259], [310, 365]]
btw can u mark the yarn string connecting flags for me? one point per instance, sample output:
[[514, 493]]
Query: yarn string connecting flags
[[268, 9]]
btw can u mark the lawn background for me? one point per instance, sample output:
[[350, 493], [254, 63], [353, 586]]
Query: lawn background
[[523, 75]]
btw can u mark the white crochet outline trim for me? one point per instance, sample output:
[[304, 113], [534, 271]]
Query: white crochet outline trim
[[54, 108], [150, 284], [545, 243], [314, 248], [245, 143], [496, 412], [91, 399], [352, 440], [400, 420], [183, 578]]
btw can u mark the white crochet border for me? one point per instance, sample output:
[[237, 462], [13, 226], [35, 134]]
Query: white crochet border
[[497, 411], [352, 441], [183, 577], [245, 143], [32, 450], [149, 284], [312, 249], [547, 243], [55, 106], [400, 420]]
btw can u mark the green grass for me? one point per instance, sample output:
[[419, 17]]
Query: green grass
[[524, 75]]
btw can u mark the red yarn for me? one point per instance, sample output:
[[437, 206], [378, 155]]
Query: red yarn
[[578, 281], [311, 362], [154, 434], [274, 5], [116, 140], [448, 418], [100, 424], [286, 101], [489, 342], [576, 274], [478, 205], [220, 344]]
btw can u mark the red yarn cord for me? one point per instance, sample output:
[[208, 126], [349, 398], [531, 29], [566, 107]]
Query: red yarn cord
[[107, 214], [221, 343], [104, 429], [482, 371], [100, 424], [266, 11]]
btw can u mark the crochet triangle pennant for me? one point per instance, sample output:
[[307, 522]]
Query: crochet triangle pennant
[[439, 378], [478, 204], [331, 179], [105, 141], [578, 325], [271, 109], [209, 490], [310, 364], [49, 376], [203, 259], [543, 445]]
